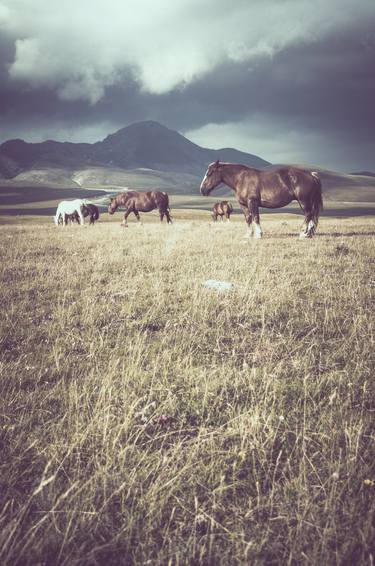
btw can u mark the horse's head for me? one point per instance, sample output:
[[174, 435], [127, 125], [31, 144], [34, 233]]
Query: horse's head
[[211, 179], [112, 206]]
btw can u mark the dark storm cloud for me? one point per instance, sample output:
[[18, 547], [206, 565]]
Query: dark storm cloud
[[297, 83], [326, 90]]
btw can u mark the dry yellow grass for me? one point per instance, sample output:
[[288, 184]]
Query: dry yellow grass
[[146, 419]]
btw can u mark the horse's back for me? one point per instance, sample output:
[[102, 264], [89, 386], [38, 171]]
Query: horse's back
[[279, 187], [283, 175], [70, 204]]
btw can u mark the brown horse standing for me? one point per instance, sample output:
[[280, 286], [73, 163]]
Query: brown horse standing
[[268, 189], [137, 202], [223, 208]]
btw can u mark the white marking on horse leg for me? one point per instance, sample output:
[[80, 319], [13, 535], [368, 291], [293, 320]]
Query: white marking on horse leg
[[311, 225], [309, 230], [258, 231]]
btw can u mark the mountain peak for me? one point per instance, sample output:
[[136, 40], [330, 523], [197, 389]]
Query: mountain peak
[[147, 144], [144, 127]]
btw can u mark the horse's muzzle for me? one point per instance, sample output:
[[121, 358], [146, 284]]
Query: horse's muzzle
[[203, 190]]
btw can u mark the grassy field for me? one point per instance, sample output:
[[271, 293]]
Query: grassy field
[[147, 419]]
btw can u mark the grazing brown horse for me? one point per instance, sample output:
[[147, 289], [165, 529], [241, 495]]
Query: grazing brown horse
[[136, 202], [223, 208], [268, 189], [91, 210]]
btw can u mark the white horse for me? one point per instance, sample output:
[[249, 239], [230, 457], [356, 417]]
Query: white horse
[[70, 207]]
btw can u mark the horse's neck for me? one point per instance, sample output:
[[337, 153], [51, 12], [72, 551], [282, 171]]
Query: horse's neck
[[230, 174]]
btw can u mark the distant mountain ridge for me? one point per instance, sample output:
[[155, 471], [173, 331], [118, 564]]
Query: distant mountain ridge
[[141, 145], [145, 156]]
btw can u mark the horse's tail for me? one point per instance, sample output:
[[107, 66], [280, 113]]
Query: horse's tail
[[166, 201], [316, 198], [230, 207]]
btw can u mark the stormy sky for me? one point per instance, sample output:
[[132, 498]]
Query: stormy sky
[[289, 80]]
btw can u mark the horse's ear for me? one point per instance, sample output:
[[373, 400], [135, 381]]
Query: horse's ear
[[217, 163]]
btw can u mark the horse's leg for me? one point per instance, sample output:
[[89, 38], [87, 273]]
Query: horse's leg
[[254, 213], [303, 232], [161, 214], [169, 218], [125, 221], [309, 227], [139, 223], [248, 219]]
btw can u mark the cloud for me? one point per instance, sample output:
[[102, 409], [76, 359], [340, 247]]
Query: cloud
[[290, 80], [80, 49], [270, 139]]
